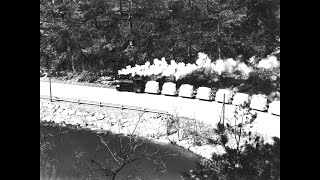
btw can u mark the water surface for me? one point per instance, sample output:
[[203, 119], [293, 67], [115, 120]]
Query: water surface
[[67, 154]]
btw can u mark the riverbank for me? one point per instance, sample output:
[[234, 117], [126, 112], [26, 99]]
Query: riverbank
[[187, 133]]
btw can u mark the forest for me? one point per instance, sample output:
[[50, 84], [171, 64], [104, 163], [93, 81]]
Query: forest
[[107, 35]]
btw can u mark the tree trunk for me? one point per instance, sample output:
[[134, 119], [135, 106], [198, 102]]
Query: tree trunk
[[189, 49], [114, 176], [150, 46], [72, 63], [131, 32], [130, 17], [120, 4], [96, 22], [173, 40], [219, 50]]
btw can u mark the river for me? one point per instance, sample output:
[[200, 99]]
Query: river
[[62, 146]]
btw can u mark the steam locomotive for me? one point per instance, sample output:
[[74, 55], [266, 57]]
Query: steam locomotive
[[129, 83]]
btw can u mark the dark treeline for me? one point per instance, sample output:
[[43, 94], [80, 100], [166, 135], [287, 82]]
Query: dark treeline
[[93, 35]]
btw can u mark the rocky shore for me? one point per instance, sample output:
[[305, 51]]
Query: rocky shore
[[165, 129]]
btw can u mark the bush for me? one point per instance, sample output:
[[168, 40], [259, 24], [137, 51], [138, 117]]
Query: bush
[[209, 78], [246, 156], [170, 78], [200, 77], [228, 80], [258, 161], [88, 77], [264, 81]]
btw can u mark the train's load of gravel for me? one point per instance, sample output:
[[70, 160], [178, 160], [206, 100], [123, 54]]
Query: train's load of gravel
[[169, 88], [186, 90], [240, 99], [152, 87], [224, 93], [274, 108], [259, 102], [204, 93]]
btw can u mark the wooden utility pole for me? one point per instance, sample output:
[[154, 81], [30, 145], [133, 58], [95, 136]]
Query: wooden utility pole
[[223, 109], [50, 84]]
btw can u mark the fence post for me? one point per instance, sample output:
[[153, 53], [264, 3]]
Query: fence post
[[50, 85], [223, 109], [195, 133]]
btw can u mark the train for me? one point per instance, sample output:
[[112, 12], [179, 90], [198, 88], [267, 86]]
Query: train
[[140, 84]]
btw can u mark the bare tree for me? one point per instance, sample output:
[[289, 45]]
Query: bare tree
[[122, 154]]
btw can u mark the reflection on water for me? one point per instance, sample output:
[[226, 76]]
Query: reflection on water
[[67, 153]]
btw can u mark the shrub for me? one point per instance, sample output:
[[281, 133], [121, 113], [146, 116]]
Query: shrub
[[210, 78], [88, 77], [258, 161], [200, 77], [264, 81], [246, 156], [228, 80]]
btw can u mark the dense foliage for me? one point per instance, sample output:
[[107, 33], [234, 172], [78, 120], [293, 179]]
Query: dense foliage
[[246, 155], [258, 161], [96, 35]]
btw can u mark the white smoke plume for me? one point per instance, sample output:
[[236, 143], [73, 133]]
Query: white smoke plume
[[269, 63], [162, 68]]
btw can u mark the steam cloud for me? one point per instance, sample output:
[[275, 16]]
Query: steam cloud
[[162, 68]]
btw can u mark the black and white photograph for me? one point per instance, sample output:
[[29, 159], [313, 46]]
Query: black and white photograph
[[160, 89]]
